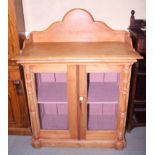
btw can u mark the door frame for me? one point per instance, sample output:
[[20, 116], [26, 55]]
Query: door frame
[[72, 92], [124, 69]]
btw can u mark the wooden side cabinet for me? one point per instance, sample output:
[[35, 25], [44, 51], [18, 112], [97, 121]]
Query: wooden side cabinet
[[77, 76], [18, 116], [137, 100], [17, 109]]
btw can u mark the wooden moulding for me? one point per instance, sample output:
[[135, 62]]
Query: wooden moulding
[[78, 143]]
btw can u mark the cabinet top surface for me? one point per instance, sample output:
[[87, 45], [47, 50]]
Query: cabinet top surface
[[77, 51]]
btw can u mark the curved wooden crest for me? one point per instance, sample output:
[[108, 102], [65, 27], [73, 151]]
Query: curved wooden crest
[[78, 25]]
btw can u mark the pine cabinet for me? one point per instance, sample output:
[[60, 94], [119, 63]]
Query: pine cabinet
[[77, 76]]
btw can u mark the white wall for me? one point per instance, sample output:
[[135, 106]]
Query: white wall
[[39, 14]]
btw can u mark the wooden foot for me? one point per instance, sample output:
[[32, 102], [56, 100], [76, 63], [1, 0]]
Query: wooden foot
[[36, 143], [120, 145]]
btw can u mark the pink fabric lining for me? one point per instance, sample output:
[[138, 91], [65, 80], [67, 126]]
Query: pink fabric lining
[[47, 77], [105, 122], [51, 77], [96, 77], [54, 92], [60, 77], [50, 109], [62, 109], [95, 109], [102, 109], [111, 77], [103, 77], [53, 114], [103, 95], [101, 116], [109, 109], [54, 122], [100, 93]]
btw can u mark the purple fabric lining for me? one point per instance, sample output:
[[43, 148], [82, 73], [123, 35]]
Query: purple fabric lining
[[54, 92], [94, 77], [104, 122], [111, 77], [103, 95], [101, 92], [53, 116], [60, 77], [103, 77], [102, 109], [54, 122]]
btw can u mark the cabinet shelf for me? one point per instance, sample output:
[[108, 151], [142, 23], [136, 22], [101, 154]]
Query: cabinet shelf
[[141, 73], [139, 102], [52, 93], [98, 93]]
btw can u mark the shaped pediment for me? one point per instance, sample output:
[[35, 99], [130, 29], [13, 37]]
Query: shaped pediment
[[78, 25]]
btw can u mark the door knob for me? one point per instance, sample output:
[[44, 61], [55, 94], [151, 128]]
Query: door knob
[[18, 86], [81, 100]]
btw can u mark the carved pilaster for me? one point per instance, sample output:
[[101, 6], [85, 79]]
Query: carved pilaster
[[122, 125], [32, 104], [124, 93]]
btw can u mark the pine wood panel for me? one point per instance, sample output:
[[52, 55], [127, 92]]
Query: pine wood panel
[[75, 143], [72, 97], [55, 134], [87, 30], [48, 68], [123, 100], [101, 135]]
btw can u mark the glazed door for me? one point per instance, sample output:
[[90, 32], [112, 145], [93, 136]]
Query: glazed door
[[55, 100], [99, 101]]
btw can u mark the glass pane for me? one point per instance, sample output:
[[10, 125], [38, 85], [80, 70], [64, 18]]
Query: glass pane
[[102, 102], [52, 100]]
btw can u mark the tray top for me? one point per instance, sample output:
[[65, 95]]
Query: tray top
[[77, 52]]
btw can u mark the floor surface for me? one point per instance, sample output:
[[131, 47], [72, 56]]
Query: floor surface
[[136, 145]]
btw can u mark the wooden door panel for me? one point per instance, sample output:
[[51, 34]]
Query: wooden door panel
[[11, 118], [14, 110], [17, 108]]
